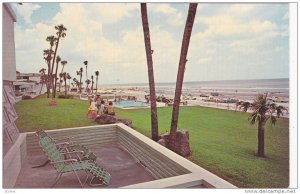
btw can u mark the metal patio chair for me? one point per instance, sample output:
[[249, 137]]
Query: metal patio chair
[[67, 145], [64, 165]]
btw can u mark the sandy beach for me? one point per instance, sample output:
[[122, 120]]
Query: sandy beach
[[198, 97]]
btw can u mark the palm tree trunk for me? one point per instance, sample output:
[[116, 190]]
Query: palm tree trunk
[[69, 85], [80, 83], [261, 138], [180, 74], [87, 88], [48, 78], [48, 91], [65, 88], [154, 123], [86, 78], [96, 84], [59, 84], [48, 83], [54, 90], [41, 88], [62, 70], [54, 57]]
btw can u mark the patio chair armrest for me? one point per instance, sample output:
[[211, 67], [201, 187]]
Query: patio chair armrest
[[72, 152], [62, 139], [63, 143], [63, 161]]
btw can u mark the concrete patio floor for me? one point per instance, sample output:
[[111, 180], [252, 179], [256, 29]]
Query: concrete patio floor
[[124, 170]]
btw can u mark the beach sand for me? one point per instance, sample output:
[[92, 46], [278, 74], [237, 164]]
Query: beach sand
[[192, 96]]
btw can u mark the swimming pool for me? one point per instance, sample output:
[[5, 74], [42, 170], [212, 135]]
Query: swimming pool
[[130, 103]]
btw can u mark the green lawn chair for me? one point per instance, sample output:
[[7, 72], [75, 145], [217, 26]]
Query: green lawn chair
[[66, 145], [63, 165]]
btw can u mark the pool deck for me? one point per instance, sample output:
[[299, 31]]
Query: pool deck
[[123, 168]]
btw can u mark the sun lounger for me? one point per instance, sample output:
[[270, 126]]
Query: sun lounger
[[66, 145], [65, 165]]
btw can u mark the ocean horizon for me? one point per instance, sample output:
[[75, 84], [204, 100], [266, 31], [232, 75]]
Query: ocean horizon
[[280, 84]]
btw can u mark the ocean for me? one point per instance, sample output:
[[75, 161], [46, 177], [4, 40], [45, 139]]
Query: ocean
[[258, 85]]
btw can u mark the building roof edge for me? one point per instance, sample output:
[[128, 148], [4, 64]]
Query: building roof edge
[[10, 11]]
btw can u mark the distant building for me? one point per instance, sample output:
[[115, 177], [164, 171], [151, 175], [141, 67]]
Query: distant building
[[27, 83], [31, 77]]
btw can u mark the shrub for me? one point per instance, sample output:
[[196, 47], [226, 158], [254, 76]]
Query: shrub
[[26, 97], [66, 97]]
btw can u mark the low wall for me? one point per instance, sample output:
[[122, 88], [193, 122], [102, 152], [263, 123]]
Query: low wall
[[89, 136], [12, 162], [185, 174], [158, 164], [169, 169]]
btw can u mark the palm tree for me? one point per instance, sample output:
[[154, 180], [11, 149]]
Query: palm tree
[[263, 109], [92, 77], [69, 78], [58, 59], [48, 56], [245, 106], [61, 75], [97, 75], [86, 64], [180, 74], [52, 40], [238, 104], [87, 84], [80, 74], [65, 80], [76, 82], [154, 123], [43, 78], [60, 34], [63, 63]]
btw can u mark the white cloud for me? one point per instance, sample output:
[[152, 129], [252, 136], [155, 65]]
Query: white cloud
[[204, 60], [240, 9], [110, 12], [85, 40], [224, 25], [174, 16], [26, 10], [227, 43]]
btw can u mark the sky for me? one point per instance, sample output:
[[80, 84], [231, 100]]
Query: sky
[[228, 41]]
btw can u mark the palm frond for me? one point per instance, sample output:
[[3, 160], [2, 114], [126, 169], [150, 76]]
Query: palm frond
[[273, 120], [58, 59], [279, 110], [245, 106], [252, 119]]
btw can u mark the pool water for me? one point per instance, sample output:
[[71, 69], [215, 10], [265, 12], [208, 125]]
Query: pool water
[[130, 103]]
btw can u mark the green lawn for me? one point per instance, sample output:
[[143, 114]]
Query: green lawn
[[36, 114], [222, 141]]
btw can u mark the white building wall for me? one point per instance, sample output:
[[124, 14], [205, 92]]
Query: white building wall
[[8, 44]]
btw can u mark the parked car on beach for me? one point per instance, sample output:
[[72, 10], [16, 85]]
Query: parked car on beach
[[83, 96], [230, 100], [210, 99]]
